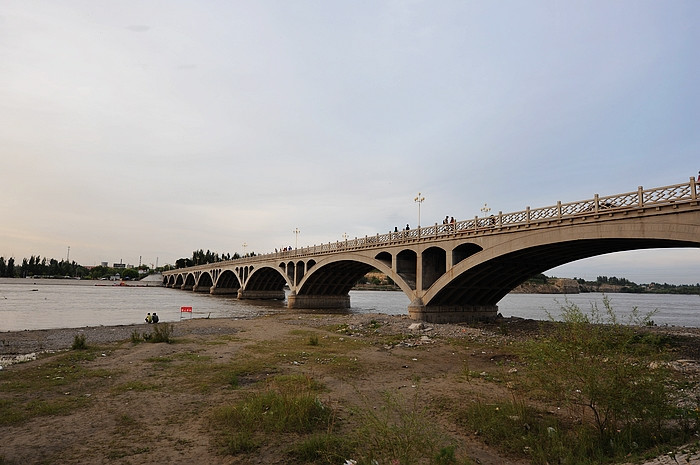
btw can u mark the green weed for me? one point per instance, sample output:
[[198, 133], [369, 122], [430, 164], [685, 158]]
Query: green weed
[[288, 404], [400, 431], [610, 378], [79, 342]]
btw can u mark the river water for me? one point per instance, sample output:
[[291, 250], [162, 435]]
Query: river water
[[45, 304]]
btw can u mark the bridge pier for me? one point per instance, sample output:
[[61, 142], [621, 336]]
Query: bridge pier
[[198, 288], [186, 287], [452, 313], [223, 290], [318, 301], [261, 295]]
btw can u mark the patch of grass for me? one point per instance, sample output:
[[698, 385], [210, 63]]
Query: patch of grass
[[126, 420], [400, 431], [322, 449], [333, 353], [193, 357], [56, 385], [398, 338], [160, 361], [238, 442], [288, 404], [341, 328], [517, 429], [137, 386], [19, 412]]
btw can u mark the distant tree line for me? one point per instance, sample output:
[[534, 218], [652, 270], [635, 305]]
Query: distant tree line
[[631, 287], [7, 270], [43, 267], [200, 257]]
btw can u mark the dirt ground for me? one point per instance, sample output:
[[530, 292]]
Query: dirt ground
[[170, 421]]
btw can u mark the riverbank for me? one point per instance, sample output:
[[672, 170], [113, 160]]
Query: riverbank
[[119, 392]]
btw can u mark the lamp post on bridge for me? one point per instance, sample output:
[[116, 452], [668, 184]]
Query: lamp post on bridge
[[485, 209], [296, 238], [419, 200], [244, 246]]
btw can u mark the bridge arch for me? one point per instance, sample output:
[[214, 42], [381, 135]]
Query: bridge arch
[[484, 278], [328, 283], [264, 282], [226, 283], [204, 283]]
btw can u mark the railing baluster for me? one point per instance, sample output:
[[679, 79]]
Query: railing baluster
[[693, 189]]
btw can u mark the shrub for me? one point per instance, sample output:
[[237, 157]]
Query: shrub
[[79, 342], [603, 371], [161, 333]]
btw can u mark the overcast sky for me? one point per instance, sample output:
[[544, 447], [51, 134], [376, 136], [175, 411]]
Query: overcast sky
[[154, 128]]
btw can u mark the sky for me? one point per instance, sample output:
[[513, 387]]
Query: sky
[[144, 130]]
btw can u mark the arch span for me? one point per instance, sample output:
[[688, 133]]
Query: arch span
[[328, 283], [265, 282]]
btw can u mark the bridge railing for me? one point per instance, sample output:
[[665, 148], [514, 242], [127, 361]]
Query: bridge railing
[[641, 198]]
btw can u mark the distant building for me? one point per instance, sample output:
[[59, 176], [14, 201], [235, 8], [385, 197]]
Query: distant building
[[119, 265]]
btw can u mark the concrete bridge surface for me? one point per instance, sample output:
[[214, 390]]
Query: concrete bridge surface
[[458, 272]]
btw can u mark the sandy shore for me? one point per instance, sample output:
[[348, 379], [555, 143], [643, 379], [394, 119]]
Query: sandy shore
[[41, 340], [389, 356]]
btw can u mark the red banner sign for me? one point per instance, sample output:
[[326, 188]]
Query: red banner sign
[[186, 309]]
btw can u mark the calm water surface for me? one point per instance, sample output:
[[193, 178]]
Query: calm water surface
[[44, 304]]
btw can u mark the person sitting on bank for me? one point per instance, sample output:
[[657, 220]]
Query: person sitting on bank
[[154, 317], [149, 318]]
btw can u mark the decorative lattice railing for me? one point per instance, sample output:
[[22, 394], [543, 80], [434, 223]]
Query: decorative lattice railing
[[642, 198]]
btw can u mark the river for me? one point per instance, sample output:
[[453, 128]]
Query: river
[[46, 304]]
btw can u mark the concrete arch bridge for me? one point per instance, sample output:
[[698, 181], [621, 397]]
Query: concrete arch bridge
[[459, 272]]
